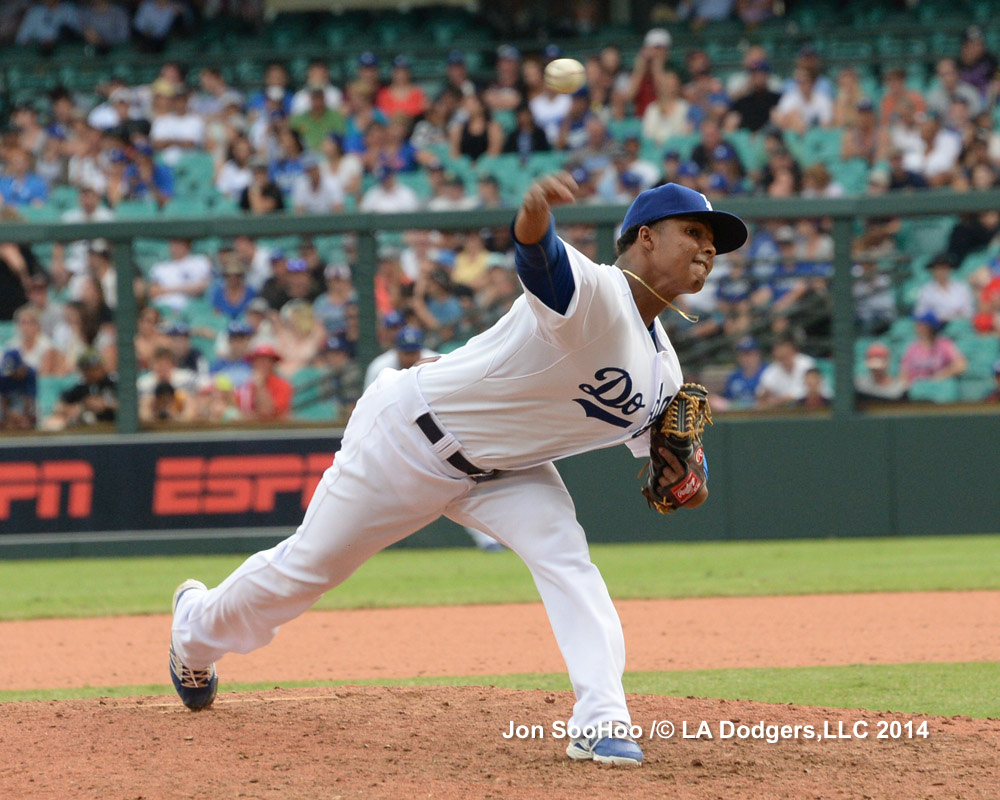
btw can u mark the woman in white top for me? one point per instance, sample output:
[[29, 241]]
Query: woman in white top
[[668, 115], [234, 175]]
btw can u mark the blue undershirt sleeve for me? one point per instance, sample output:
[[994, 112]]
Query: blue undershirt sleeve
[[544, 269]]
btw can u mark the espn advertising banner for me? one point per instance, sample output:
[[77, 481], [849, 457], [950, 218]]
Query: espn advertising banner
[[159, 483]]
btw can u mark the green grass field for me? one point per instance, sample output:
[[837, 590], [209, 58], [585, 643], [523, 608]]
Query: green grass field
[[402, 577]]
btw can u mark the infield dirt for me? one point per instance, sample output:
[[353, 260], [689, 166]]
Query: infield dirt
[[447, 742]]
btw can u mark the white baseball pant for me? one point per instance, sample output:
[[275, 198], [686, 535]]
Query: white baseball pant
[[387, 482]]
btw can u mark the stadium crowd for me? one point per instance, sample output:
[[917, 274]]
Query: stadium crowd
[[246, 330]]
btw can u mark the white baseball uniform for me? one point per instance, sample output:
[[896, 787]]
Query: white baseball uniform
[[538, 386]]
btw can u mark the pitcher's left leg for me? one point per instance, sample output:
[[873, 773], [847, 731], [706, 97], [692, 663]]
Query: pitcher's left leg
[[531, 512]]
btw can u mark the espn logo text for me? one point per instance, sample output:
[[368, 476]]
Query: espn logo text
[[44, 484], [234, 484]]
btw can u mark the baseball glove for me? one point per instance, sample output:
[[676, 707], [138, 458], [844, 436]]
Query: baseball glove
[[679, 430]]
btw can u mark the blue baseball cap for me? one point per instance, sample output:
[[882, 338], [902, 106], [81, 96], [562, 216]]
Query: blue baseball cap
[[672, 200], [507, 52], [688, 169], [368, 59], [747, 344], [11, 361], [178, 328], [552, 51], [631, 180], [401, 62], [337, 342], [455, 57], [410, 340], [928, 318], [393, 319], [297, 265], [717, 183], [239, 328]]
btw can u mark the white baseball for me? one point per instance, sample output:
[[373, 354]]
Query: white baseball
[[565, 75]]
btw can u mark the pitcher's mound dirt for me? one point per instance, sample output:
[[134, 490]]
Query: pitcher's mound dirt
[[446, 742]]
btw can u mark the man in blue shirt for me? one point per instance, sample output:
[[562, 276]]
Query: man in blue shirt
[[18, 392], [741, 385], [19, 186], [146, 178], [47, 22]]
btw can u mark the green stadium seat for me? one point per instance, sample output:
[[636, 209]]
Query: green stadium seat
[[821, 144], [318, 411], [7, 330], [945, 391], [620, 128], [972, 390], [49, 389], [136, 209], [186, 207], [46, 213]]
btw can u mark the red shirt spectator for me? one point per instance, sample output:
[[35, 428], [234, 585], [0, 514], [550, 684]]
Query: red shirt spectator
[[987, 319], [266, 395]]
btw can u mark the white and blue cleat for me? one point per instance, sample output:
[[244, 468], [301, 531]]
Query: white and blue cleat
[[195, 687], [611, 744]]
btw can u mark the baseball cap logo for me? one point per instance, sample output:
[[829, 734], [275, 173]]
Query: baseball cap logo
[[708, 206]]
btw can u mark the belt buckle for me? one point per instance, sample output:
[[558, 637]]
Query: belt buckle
[[479, 477]]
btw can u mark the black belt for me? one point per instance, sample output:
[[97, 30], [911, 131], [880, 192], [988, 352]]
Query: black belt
[[434, 434]]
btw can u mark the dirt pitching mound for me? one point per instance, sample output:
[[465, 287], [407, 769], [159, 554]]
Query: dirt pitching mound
[[447, 742]]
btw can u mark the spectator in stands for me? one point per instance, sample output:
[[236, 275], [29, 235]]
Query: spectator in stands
[[457, 74], [935, 154], [741, 384], [847, 101], [944, 297], [930, 356], [234, 174], [972, 232], [266, 396], [31, 134], [874, 301], [186, 356], [817, 182], [895, 94], [389, 196], [19, 186], [527, 137], [48, 22], [987, 317], [994, 396], [332, 308], [346, 167], [803, 106], [704, 92], [318, 121], [408, 348], [231, 359], [18, 393], [397, 151], [146, 179], [702, 12], [301, 285], [815, 396], [783, 381], [572, 134], [900, 177], [314, 192], [163, 369], [216, 95], [185, 275], [950, 85], [436, 305], [668, 115], [72, 259], [317, 77], [96, 316], [94, 399], [262, 196], [11, 14], [148, 337], [431, 129], [471, 262], [286, 163], [451, 195], [977, 66], [230, 295], [877, 385], [752, 110], [401, 96], [36, 349], [506, 91], [49, 310], [862, 137], [155, 21], [298, 336], [104, 25], [255, 258], [343, 378], [368, 80], [650, 62]]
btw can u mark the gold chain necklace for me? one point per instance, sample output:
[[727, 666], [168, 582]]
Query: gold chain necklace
[[658, 296]]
